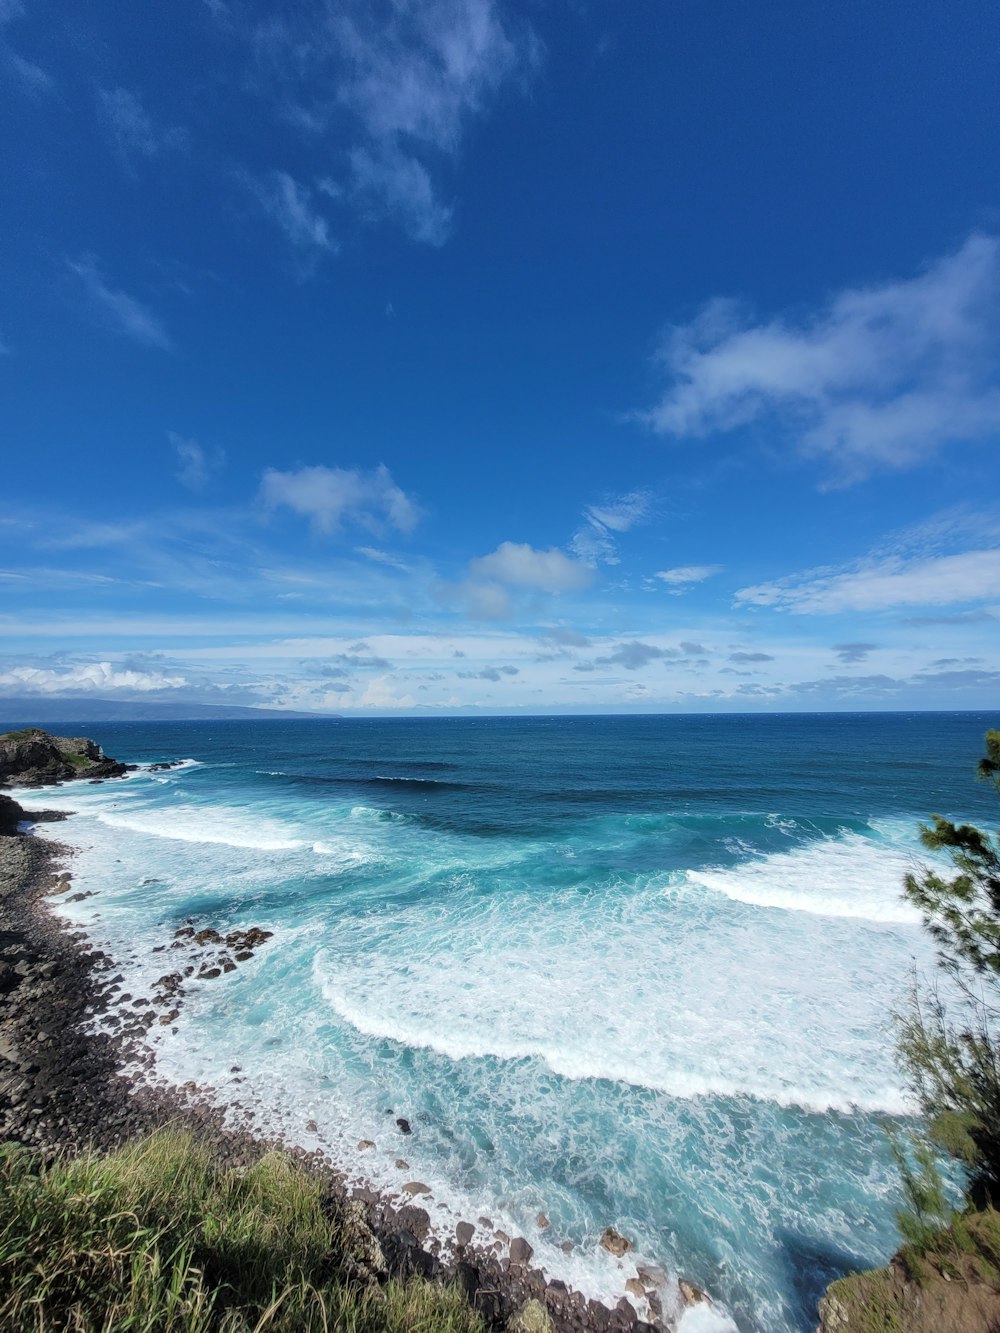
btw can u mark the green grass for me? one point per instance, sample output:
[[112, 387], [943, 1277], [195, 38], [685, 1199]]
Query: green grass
[[158, 1238]]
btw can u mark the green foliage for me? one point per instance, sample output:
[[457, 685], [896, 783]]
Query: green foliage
[[927, 1209], [952, 1056], [158, 1238]]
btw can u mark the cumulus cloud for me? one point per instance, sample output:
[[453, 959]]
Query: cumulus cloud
[[331, 496], [882, 585], [131, 128], [87, 678], [196, 466], [880, 377], [116, 309], [519, 565]]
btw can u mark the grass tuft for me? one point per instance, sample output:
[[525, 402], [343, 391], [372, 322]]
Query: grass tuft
[[159, 1238]]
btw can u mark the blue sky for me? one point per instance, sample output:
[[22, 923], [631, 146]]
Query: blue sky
[[501, 355]]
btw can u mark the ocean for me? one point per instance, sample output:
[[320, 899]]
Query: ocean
[[627, 971]]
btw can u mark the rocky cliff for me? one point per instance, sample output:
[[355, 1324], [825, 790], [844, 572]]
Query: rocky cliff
[[34, 758]]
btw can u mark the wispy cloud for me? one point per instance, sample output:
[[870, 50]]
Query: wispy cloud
[[882, 585], [196, 466], [394, 89], [595, 541], [291, 206], [24, 74], [880, 377], [685, 576], [117, 309], [331, 496], [132, 130]]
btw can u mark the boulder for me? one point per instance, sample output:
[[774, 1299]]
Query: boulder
[[464, 1232], [692, 1295], [531, 1318], [615, 1243], [520, 1250]]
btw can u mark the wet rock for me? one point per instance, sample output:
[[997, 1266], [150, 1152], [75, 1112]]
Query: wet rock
[[691, 1294], [404, 1126], [365, 1144], [626, 1309], [311, 1125], [615, 1243], [635, 1288], [402, 1164], [464, 1232], [416, 1187], [651, 1276], [416, 1221], [520, 1251], [542, 1222]]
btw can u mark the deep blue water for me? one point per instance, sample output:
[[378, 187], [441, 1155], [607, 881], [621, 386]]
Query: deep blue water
[[622, 970]]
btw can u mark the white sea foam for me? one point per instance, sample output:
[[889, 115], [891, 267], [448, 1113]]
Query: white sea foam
[[209, 824], [847, 876]]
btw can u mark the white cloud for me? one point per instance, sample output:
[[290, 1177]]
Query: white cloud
[[132, 129], [519, 565], [393, 182], [594, 542], [290, 205], [944, 580], [195, 465], [329, 496], [881, 377], [89, 678], [410, 76], [685, 575], [379, 693], [117, 309], [31, 78]]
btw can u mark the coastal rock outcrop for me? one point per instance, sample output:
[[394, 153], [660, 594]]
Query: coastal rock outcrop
[[10, 815], [34, 758]]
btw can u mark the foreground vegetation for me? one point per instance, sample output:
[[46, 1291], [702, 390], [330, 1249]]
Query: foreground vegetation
[[159, 1238]]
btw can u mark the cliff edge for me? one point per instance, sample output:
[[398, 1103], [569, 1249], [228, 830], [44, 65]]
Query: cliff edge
[[953, 1287], [34, 758]]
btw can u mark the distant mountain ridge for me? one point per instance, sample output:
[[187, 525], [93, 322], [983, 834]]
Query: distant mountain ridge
[[37, 710]]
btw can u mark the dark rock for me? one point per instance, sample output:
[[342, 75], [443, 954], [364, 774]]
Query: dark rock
[[520, 1251], [10, 815], [464, 1232], [415, 1220], [416, 1187], [33, 758], [404, 1126]]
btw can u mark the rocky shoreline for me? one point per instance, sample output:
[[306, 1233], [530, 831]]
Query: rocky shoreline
[[63, 1087]]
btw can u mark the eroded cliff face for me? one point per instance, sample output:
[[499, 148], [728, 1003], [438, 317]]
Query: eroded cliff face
[[33, 758], [954, 1288]]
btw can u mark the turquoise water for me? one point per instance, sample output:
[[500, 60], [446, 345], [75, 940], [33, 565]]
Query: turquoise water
[[629, 971]]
